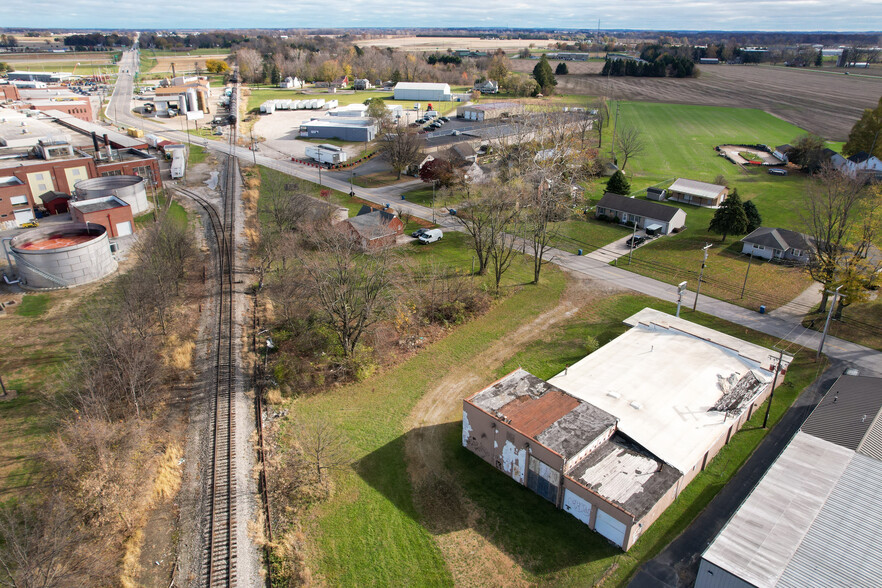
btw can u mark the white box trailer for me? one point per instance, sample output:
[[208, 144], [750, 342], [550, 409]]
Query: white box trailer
[[268, 107], [179, 164], [325, 153], [330, 104]]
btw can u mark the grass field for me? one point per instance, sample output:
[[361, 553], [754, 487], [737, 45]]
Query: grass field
[[335, 196], [197, 154], [680, 142], [167, 53], [84, 68], [33, 305]]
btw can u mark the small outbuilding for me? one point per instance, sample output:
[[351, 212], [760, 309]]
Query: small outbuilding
[[55, 202], [651, 216], [375, 229], [697, 193], [775, 243], [488, 110], [110, 212]]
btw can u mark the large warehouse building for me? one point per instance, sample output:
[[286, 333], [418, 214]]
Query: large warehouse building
[[615, 438], [814, 518], [338, 127], [428, 92]]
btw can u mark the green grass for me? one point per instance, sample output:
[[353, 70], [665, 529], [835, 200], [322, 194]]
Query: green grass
[[197, 154], [680, 142], [334, 196], [378, 179], [587, 235], [176, 212], [369, 533], [33, 305], [68, 66]]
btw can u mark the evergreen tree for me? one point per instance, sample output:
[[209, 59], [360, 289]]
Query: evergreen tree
[[819, 58], [730, 218], [618, 184], [561, 69], [544, 76], [275, 75], [754, 220], [865, 133]]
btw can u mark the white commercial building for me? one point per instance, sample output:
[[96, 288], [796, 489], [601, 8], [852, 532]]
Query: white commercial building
[[422, 91]]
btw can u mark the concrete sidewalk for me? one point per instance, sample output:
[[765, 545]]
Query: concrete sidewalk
[[801, 305]]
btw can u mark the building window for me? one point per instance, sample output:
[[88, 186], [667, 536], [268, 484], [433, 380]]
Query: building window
[[759, 247], [113, 172], [16, 200]]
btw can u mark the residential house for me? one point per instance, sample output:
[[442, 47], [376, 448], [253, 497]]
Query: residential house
[[362, 84], [341, 82], [606, 440], [375, 229], [861, 165], [782, 152], [291, 83], [776, 243], [651, 216], [697, 193], [814, 517], [487, 87]]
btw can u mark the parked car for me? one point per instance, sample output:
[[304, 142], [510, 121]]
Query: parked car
[[444, 119], [217, 132], [419, 232], [635, 241], [777, 171], [32, 224], [431, 236]]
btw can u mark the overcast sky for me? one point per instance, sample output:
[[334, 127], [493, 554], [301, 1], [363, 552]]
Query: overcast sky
[[754, 15]]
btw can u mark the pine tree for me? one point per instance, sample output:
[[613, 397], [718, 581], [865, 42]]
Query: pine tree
[[754, 220], [543, 75], [561, 69], [618, 184], [730, 218]]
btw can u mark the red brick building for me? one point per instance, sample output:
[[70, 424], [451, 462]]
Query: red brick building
[[110, 212], [375, 229], [16, 205]]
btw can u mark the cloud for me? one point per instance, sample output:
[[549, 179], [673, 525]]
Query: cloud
[[754, 15]]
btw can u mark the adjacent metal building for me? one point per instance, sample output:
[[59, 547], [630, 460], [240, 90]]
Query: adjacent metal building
[[338, 127], [814, 518]]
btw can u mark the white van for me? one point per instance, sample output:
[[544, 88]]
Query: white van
[[431, 236]]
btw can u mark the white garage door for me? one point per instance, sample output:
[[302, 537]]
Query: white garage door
[[577, 506], [23, 216], [610, 528], [123, 229]]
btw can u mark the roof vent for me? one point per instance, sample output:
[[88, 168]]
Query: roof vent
[[613, 394], [636, 405]]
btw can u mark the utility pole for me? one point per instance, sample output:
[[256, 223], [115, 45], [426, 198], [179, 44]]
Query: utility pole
[[633, 243], [772, 392], [433, 201], [701, 275], [747, 273], [253, 152], [827, 322]]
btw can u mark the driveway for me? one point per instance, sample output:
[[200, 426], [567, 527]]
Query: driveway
[[612, 251]]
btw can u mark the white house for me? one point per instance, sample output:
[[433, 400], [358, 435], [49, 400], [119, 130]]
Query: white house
[[651, 216], [488, 87], [291, 83], [770, 243], [859, 165]]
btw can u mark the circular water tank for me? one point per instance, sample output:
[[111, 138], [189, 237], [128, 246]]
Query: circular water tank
[[130, 189], [63, 255]]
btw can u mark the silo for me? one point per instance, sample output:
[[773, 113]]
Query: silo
[[59, 256], [130, 189], [182, 104], [192, 105]]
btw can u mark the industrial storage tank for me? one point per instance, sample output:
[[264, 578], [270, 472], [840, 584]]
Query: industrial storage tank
[[63, 255], [192, 105], [130, 189]]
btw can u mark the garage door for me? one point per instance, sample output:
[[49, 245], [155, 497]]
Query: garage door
[[577, 506], [123, 229], [610, 528], [23, 216]]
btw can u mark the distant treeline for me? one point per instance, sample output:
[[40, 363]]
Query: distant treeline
[[93, 40], [446, 59], [656, 62], [211, 40]]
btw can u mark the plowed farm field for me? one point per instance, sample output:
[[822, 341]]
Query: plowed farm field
[[824, 102]]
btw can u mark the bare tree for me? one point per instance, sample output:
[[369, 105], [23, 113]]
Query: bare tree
[[402, 147], [45, 545], [630, 142], [323, 446], [347, 285], [250, 64], [840, 219], [601, 119]]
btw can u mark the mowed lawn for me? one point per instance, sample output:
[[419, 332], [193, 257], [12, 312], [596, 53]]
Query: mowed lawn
[[680, 141], [261, 94]]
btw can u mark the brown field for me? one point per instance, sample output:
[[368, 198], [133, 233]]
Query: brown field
[[183, 63], [444, 43], [21, 59], [822, 102]]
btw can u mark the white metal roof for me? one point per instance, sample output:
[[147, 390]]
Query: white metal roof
[[422, 86], [674, 371], [763, 535], [696, 188]]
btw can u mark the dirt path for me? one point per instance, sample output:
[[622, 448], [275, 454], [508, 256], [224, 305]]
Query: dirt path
[[472, 559]]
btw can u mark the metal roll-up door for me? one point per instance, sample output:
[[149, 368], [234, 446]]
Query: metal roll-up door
[[610, 528]]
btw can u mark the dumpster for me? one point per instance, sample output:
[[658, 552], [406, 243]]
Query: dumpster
[[580, 252]]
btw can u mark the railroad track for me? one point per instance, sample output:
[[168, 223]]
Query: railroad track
[[218, 567]]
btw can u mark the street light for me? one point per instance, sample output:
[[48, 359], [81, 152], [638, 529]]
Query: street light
[[351, 189]]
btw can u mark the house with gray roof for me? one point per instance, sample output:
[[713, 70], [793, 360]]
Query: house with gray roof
[[375, 229], [651, 216], [775, 243], [814, 517], [697, 193]]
